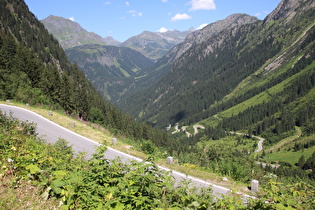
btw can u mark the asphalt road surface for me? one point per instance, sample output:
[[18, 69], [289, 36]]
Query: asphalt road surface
[[51, 132]]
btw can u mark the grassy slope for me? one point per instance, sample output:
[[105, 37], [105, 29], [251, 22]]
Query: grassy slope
[[260, 78]]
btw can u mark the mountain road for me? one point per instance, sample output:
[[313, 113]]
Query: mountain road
[[51, 132]]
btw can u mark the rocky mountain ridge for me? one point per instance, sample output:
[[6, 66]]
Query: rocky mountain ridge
[[199, 36], [155, 44], [69, 33]]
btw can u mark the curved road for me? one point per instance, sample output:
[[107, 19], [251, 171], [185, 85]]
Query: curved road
[[259, 145], [51, 132]]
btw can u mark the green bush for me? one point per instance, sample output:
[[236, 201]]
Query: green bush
[[99, 183]]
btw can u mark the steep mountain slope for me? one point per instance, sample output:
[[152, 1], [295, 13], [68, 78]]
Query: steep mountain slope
[[199, 36], [112, 70], [163, 65], [155, 44], [69, 33], [34, 69], [210, 77]]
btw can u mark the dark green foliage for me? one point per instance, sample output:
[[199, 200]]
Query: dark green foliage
[[310, 163], [99, 183]]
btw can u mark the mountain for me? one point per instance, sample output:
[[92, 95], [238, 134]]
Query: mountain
[[199, 36], [241, 77], [155, 44], [112, 70], [35, 70], [111, 41], [69, 33], [164, 65]]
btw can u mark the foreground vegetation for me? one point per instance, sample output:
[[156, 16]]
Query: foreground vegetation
[[65, 181]]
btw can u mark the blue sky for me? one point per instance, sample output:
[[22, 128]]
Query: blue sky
[[123, 19]]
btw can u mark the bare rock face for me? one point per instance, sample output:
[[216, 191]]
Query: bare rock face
[[212, 29], [287, 8]]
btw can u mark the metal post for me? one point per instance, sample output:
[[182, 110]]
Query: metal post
[[169, 160], [114, 141], [254, 187]]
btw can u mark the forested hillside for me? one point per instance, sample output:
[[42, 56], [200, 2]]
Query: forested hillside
[[111, 70], [208, 77], [255, 78], [35, 70]]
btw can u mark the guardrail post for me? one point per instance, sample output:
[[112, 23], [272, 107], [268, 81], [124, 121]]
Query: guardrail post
[[254, 187], [169, 160], [114, 141]]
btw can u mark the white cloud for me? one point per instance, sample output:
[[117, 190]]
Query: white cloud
[[162, 30], [107, 2], [134, 13], [72, 19], [181, 17], [127, 3], [202, 5], [202, 26], [164, 1]]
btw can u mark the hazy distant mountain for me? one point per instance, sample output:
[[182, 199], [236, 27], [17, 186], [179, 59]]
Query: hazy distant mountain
[[69, 33], [111, 41], [154, 45]]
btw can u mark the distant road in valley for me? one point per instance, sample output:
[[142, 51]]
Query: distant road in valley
[[51, 132], [259, 145]]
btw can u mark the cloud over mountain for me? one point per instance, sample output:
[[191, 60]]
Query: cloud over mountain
[[179, 16]]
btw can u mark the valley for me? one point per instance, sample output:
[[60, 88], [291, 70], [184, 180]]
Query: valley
[[237, 97]]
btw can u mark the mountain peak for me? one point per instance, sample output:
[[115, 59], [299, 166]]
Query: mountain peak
[[111, 41], [203, 34], [154, 45], [69, 33]]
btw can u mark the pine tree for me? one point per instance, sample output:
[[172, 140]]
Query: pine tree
[[301, 161]]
